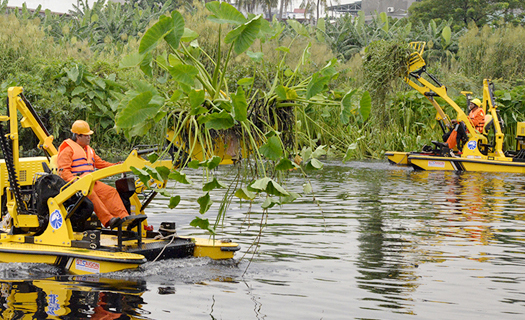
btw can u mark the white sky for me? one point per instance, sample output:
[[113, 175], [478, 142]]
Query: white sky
[[61, 6]]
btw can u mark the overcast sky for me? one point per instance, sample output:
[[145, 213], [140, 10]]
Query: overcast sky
[[61, 6]]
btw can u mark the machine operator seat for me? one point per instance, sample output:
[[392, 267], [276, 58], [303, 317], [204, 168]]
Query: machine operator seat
[[489, 123]]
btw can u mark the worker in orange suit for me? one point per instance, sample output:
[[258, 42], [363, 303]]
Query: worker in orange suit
[[75, 159], [476, 115]]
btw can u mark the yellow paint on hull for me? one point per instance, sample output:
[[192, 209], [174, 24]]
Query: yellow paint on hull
[[215, 249], [398, 158], [79, 261], [465, 164]]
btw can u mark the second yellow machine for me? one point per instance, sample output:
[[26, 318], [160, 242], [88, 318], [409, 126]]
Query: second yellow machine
[[479, 150]]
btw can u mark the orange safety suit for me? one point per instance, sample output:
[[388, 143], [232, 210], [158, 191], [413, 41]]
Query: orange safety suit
[[74, 161], [477, 118]]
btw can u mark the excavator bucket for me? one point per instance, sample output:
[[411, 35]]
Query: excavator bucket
[[415, 60]]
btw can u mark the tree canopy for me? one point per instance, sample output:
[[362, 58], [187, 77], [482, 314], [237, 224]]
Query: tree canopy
[[463, 12]]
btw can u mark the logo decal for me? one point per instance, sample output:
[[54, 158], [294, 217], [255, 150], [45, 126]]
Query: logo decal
[[472, 145], [88, 266], [438, 164], [56, 219]]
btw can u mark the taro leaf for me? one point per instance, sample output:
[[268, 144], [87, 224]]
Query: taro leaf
[[184, 74], [306, 153], [269, 186], [285, 93], [156, 33], [75, 74], [173, 38], [346, 106], [203, 224], [245, 194], [131, 60], [189, 35], [174, 201], [245, 81], [255, 56], [240, 106], [204, 203], [244, 35], [138, 110], [314, 164], [224, 13], [286, 164], [319, 151], [152, 157], [213, 162], [163, 172], [365, 105], [193, 164], [196, 98], [142, 174], [153, 173], [217, 121], [317, 85], [145, 64], [214, 184], [269, 203], [307, 188], [179, 177], [291, 198], [272, 149], [298, 27]]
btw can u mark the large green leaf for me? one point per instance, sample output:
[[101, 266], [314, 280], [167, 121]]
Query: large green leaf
[[224, 12], [184, 74], [346, 106], [214, 184], [156, 33], [269, 186], [317, 85], [179, 177], [204, 203], [298, 27], [202, 224], [189, 35], [244, 35], [245, 194], [240, 106], [137, 110], [272, 149], [173, 38], [365, 105], [131, 60], [196, 98], [217, 121]]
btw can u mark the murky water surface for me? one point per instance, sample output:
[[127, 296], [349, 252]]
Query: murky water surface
[[383, 242]]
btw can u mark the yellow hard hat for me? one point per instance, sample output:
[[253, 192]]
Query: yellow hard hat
[[81, 127], [476, 102]]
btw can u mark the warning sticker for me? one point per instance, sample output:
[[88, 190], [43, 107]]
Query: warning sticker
[[86, 265]]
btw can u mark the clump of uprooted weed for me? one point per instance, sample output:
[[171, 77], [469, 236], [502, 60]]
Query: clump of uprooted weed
[[385, 62]]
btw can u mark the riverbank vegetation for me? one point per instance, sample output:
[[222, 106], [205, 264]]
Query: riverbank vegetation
[[283, 94]]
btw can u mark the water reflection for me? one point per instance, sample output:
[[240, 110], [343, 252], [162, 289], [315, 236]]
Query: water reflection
[[72, 297]]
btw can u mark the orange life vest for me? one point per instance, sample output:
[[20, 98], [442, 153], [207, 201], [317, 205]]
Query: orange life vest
[[477, 118], [83, 160]]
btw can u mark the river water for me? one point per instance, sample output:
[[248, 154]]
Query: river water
[[376, 242]]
